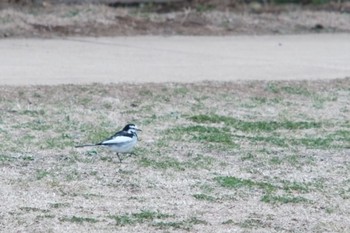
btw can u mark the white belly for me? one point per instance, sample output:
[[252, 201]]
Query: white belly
[[123, 147]]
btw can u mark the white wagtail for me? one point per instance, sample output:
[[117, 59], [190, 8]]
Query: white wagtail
[[121, 142]]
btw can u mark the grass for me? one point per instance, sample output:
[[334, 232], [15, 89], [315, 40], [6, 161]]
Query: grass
[[234, 182], [164, 163], [5, 158], [61, 141], [333, 140], [283, 199], [204, 197], [296, 186], [37, 124], [292, 160], [73, 175], [33, 209], [79, 220], [251, 223], [184, 224], [137, 218], [269, 188], [40, 174], [59, 205], [247, 126], [209, 137], [249, 156], [202, 134]]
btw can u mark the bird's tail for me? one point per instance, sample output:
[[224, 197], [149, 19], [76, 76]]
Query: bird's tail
[[85, 145]]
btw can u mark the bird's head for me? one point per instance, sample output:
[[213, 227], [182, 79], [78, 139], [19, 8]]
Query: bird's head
[[131, 128]]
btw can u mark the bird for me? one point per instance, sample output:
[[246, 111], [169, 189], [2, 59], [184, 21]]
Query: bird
[[121, 142]]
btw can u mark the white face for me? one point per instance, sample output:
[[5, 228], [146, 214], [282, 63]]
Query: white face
[[133, 128]]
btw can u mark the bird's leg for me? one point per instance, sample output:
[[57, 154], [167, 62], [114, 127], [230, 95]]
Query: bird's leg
[[120, 159]]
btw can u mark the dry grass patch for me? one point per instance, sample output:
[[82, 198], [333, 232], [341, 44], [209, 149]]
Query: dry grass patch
[[242, 156], [101, 20]]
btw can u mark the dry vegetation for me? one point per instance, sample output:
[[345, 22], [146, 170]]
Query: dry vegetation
[[213, 157], [101, 20]]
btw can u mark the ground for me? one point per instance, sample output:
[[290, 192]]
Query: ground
[[101, 20], [253, 156], [261, 156]]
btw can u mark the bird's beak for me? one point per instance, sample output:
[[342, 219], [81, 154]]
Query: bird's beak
[[138, 129]]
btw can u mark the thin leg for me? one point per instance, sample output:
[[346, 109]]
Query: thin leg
[[120, 159]]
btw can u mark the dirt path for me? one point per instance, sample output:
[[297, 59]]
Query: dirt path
[[178, 59]]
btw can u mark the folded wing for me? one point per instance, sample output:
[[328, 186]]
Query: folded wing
[[117, 140]]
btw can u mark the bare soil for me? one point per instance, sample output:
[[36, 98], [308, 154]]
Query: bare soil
[[102, 20]]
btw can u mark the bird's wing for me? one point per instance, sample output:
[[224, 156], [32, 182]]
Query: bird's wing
[[116, 140]]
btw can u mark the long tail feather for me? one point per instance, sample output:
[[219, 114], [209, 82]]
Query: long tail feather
[[85, 145]]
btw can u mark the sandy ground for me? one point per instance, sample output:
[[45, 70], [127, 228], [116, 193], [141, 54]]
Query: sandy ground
[[175, 59]]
